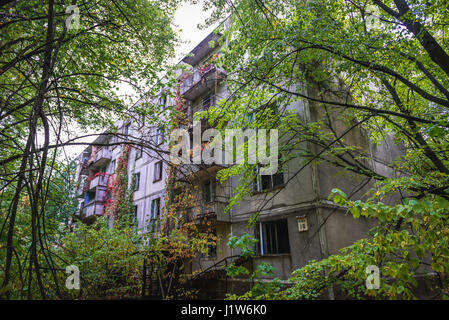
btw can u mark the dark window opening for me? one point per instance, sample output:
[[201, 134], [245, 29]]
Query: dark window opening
[[209, 190], [267, 182], [273, 237]]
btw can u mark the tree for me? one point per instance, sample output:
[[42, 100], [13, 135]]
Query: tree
[[379, 66], [56, 75]]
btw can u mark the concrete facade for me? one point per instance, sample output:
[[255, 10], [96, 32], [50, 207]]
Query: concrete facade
[[302, 200]]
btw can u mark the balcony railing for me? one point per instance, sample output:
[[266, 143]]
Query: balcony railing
[[81, 189], [101, 158], [213, 210], [93, 208], [200, 81], [99, 181]]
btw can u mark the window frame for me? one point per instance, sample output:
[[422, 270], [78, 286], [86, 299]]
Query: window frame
[[210, 96], [113, 166], [212, 191], [139, 152], [272, 226], [154, 220], [160, 174], [136, 181], [258, 182], [159, 137], [125, 131]]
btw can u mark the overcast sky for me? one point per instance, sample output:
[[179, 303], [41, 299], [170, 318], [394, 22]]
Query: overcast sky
[[187, 18], [186, 21]]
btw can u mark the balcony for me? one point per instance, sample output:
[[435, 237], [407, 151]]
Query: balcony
[[101, 158], [214, 210], [202, 50], [93, 208], [99, 181], [197, 171], [81, 189], [201, 81]]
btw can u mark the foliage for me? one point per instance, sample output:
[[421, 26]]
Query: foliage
[[377, 69], [57, 80], [118, 195], [109, 259]]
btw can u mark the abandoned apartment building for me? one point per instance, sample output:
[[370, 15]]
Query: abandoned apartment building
[[299, 224]]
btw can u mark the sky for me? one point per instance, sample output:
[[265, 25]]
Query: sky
[[187, 18], [186, 21]]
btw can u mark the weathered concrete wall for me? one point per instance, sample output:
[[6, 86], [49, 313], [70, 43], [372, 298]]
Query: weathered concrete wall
[[343, 230]]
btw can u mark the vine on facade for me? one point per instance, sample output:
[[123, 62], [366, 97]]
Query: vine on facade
[[118, 197]]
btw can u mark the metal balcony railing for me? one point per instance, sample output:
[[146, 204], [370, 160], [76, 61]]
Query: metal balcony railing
[[208, 210], [92, 208], [200, 81], [101, 158], [99, 181]]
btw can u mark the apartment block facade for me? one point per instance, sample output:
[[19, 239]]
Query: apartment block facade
[[296, 225]]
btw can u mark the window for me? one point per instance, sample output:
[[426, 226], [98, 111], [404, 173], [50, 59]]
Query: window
[[163, 100], [302, 223], [159, 138], [267, 182], [273, 237], [250, 117], [209, 189], [112, 167], [155, 213], [155, 209], [126, 131], [136, 181], [208, 101], [138, 153], [157, 171]]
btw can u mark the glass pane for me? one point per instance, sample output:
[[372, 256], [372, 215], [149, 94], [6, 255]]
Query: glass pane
[[278, 179], [266, 182]]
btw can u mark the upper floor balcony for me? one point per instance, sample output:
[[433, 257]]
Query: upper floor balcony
[[201, 81], [82, 188], [93, 208], [101, 158], [208, 210], [98, 181], [197, 171]]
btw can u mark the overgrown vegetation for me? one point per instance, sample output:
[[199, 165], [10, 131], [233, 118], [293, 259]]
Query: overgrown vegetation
[[381, 67], [377, 66]]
